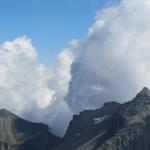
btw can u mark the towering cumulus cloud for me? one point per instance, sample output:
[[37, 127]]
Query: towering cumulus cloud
[[113, 60], [31, 90]]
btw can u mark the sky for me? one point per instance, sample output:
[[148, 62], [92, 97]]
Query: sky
[[107, 60], [49, 23]]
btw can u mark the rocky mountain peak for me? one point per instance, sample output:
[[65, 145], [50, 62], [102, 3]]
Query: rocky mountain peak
[[144, 92], [5, 114], [19, 134]]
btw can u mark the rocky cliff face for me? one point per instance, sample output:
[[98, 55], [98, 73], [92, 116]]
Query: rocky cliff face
[[89, 126], [18, 134], [113, 127], [135, 133]]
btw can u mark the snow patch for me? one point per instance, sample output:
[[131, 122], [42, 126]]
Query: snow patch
[[78, 134], [100, 119]]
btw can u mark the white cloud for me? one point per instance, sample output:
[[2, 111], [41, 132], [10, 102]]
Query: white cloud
[[115, 55], [30, 89], [112, 63]]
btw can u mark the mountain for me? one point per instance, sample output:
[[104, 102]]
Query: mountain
[[134, 135], [19, 134], [113, 127], [88, 126]]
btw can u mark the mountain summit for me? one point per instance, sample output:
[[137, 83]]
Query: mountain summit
[[19, 134], [112, 127], [145, 92]]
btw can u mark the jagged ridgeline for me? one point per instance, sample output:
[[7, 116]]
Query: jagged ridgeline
[[113, 127], [19, 134]]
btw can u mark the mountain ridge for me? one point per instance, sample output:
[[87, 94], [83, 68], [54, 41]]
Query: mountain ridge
[[19, 134], [114, 126], [124, 128]]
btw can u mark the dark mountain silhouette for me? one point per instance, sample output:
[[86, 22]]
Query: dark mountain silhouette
[[19, 134], [113, 127]]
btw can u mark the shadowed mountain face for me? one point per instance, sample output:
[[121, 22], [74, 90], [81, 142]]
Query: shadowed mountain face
[[135, 133], [89, 126], [113, 127], [18, 134]]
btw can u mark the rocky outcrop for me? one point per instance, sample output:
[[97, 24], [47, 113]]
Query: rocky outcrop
[[19, 134], [88, 126], [113, 127], [135, 133]]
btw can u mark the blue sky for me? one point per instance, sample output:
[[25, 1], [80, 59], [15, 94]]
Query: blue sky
[[49, 23]]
